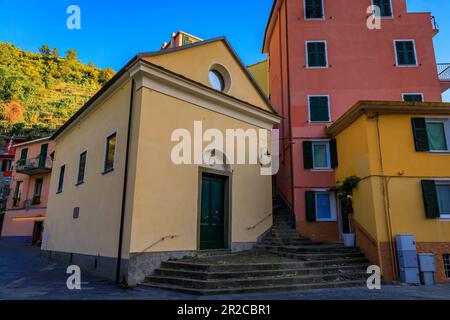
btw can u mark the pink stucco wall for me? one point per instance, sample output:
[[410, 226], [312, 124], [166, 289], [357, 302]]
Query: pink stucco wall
[[23, 230], [361, 67]]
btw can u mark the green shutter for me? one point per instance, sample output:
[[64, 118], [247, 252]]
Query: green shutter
[[430, 199], [310, 201], [24, 154], [318, 109], [333, 153], [420, 134], [307, 155]]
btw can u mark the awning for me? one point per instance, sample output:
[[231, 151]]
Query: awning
[[37, 218]]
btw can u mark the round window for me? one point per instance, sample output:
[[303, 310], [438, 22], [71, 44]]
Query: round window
[[216, 80]]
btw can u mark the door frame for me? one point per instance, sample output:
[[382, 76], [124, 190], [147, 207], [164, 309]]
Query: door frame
[[228, 181]]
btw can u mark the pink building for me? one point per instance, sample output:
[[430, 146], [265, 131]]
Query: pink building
[[323, 59], [27, 201]]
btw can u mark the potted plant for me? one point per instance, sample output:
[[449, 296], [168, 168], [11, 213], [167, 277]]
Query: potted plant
[[346, 198]]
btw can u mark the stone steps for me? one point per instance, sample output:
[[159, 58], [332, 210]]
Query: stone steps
[[259, 289], [239, 283]]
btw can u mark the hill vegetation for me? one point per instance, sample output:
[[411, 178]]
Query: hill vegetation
[[40, 91]]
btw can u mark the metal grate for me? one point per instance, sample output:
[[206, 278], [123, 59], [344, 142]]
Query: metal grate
[[447, 265], [443, 71]]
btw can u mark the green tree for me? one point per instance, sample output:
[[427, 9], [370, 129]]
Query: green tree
[[72, 55], [45, 50]]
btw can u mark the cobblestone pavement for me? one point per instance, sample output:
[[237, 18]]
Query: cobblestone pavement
[[24, 274]]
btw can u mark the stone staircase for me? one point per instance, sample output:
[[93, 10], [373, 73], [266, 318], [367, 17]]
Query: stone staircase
[[282, 261]]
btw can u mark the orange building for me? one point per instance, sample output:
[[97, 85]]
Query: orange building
[[324, 57], [27, 201]]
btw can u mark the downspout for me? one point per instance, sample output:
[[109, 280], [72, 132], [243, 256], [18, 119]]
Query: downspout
[[387, 205], [124, 189], [291, 142]]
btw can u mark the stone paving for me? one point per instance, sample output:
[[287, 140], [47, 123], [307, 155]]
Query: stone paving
[[24, 274]]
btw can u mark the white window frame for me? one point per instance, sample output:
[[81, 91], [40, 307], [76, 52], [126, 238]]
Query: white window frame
[[413, 94], [446, 122], [322, 142], [446, 265], [333, 204], [105, 152], [396, 56], [309, 108], [313, 19], [443, 182], [307, 55], [392, 11]]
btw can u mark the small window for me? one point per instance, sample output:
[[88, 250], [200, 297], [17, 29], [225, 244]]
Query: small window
[[23, 157], [319, 109], [216, 80], [37, 191], [447, 265], [443, 196], [110, 153], [17, 193], [314, 9], [316, 54], [321, 155], [413, 97], [61, 178], [81, 168], [385, 7], [405, 52], [438, 132], [320, 206]]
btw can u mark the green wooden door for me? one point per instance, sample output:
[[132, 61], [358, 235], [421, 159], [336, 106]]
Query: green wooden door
[[212, 228]]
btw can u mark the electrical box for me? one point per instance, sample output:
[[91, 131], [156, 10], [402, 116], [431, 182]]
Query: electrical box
[[406, 242], [427, 262], [410, 275], [407, 259]]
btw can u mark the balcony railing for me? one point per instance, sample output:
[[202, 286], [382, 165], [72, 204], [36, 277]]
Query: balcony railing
[[38, 165], [444, 71]]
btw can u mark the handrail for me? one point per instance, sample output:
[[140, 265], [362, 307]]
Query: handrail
[[159, 241], [261, 221], [40, 161]]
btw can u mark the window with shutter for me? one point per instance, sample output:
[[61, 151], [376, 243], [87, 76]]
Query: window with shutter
[[316, 54], [438, 134], [320, 206], [313, 9], [443, 196], [385, 7], [430, 199], [307, 155], [420, 134], [319, 109], [405, 53]]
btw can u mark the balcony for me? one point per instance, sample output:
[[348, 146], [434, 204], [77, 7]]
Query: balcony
[[38, 165], [444, 76]]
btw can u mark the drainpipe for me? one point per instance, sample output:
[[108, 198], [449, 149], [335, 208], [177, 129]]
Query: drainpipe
[[291, 142], [387, 204], [124, 189]]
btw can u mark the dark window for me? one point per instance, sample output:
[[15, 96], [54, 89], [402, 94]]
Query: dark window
[[317, 56], [385, 7], [409, 97], [17, 193], [81, 168], [447, 265], [110, 153], [23, 157], [406, 53], [37, 191], [319, 109], [313, 9], [43, 155], [61, 179], [4, 165]]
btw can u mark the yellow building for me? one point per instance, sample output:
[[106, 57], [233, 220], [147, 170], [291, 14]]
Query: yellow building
[[116, 189], [401, 152], [260, 71]]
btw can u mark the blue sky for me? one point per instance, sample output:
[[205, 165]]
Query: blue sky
[[114, 31]]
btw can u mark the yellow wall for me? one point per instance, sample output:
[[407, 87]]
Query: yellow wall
[[96, 230], [165, 200], [260, 72], [196, 62], [358, 151]]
